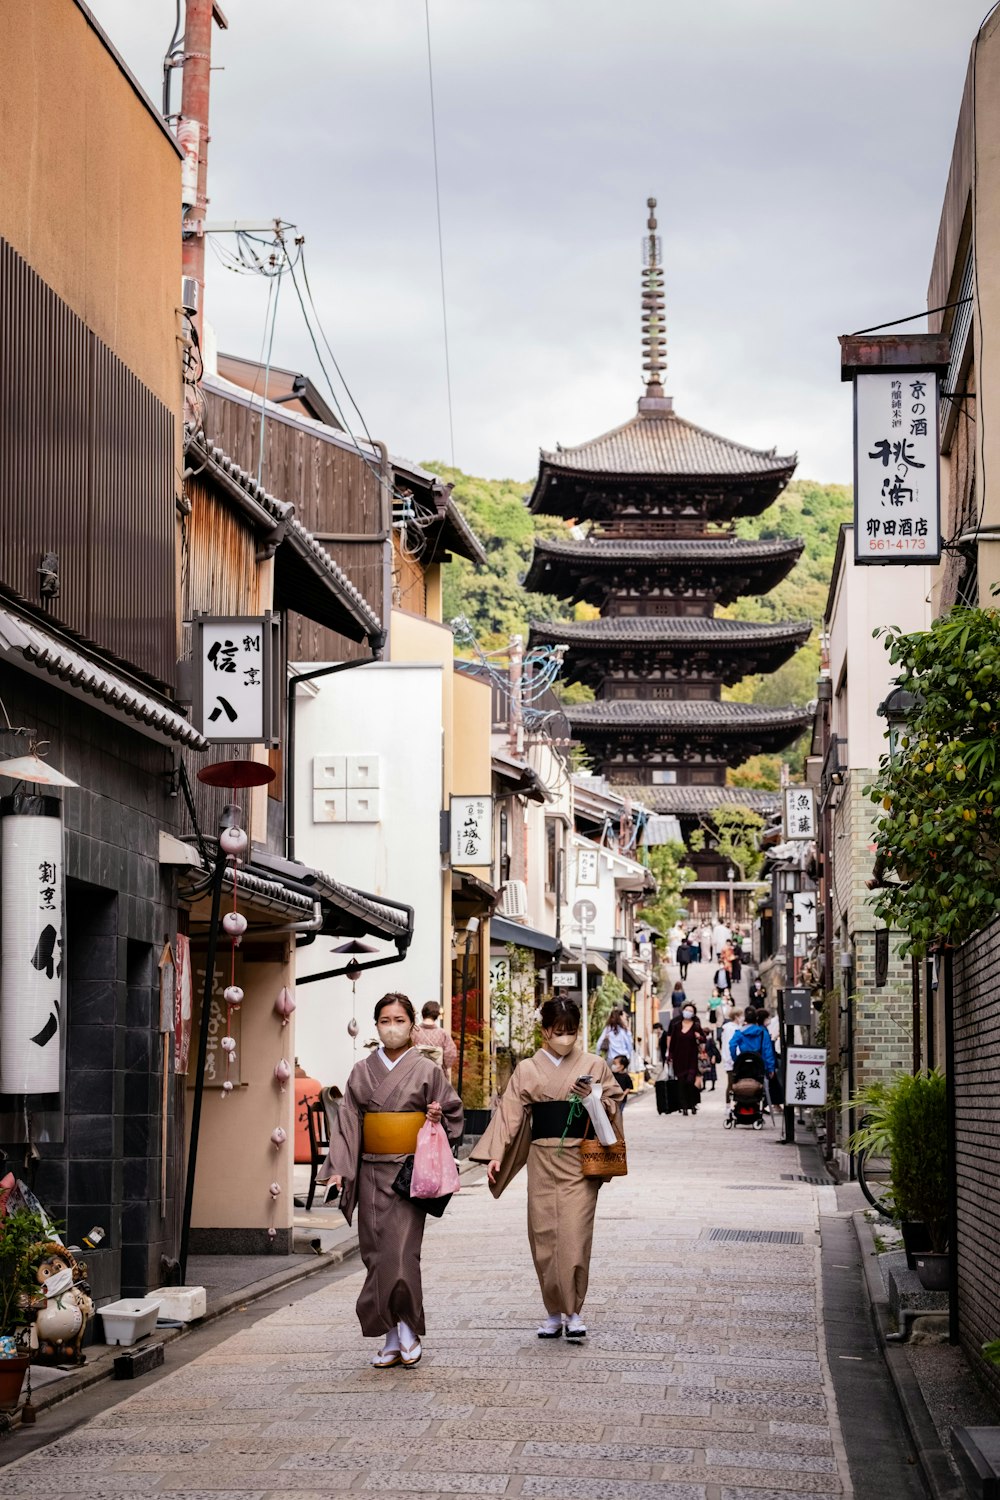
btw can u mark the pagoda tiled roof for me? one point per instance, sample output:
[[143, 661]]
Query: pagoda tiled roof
[[663, 444], [683, 713], [699, 801], [687, 630], [721, 551]]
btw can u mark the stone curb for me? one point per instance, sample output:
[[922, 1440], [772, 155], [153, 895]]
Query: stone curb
[[102, 1367], [934, 1460]]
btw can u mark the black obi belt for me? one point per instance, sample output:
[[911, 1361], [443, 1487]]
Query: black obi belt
[[550, 1119]]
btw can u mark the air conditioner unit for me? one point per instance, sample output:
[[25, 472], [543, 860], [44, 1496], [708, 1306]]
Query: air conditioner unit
[[514, 900]]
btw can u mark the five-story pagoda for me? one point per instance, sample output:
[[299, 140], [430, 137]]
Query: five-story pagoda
[[654, 504]]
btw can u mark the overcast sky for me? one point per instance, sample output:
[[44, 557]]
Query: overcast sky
[[799, 152]]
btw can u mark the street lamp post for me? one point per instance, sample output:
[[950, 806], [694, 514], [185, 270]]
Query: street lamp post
[[731, 876], [471, 928]]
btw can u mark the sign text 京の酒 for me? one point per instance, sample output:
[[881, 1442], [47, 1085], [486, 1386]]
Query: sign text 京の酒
[[897, 504]]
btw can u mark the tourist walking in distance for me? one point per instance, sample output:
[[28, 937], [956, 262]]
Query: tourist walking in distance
[[615, 1039], [684, 1037], [432, 1039], [540, 1122], [683, 957], [753, 1037], [390, 1094], [623, 1078]]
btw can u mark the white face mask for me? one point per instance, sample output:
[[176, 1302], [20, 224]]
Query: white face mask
[[562, 1046], [393, 1034], [688, 1015]]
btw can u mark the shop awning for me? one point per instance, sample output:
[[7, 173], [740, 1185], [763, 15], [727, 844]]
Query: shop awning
[[83, 673], [503, 931], [519, 777], [347, 912]]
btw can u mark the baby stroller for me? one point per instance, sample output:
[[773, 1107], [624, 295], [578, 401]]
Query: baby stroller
[[749, 1088]]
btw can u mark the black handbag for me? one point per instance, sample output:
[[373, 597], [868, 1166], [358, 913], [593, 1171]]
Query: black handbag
[[402, 1182]]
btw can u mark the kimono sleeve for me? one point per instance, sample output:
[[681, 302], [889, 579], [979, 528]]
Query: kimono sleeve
[[507, 1121], [345, 1138], [612, 1093], [452, 1111]]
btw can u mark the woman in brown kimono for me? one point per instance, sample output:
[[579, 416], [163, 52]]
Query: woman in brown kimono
[[389, 1096], [535, 1124]]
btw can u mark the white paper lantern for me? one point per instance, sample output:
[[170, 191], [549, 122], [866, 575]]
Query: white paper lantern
[[31, 955], [234, 923], [233, 840]]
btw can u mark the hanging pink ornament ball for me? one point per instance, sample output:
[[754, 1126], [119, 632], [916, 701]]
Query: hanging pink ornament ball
[[275, 1189], [282, 1072], [233, 840], [352, 1027], [228, 1044], [227, 1088], [233, 995], [272, 1234], [235, 923], [284, 1004], [278, 1137]]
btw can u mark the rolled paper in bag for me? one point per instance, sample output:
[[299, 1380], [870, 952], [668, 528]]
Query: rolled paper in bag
[[603, 1128]]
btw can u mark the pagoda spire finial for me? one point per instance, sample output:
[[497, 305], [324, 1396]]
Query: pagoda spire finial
[[654, 325]]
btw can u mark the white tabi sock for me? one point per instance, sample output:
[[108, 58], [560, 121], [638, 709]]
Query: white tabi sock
[[407, 1337]]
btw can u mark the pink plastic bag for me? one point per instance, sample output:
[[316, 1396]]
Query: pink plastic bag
[[435, 1171]]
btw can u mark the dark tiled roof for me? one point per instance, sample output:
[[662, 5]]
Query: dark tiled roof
[[689, 630], [691, 801], [664, 444], [684, 714], [722, 552]]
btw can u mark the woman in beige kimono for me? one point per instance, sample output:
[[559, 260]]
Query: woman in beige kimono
[[389, 1096], [535, 1124]]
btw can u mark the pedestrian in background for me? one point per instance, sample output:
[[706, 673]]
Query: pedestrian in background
[[736, 967], [753, 1037], [684, 1037], [615, 1039], [540, 1122], [678, 995], [623, 1078], [683, 957], [731, 1026], [432, 1039], [390, 1094], [705, 940]]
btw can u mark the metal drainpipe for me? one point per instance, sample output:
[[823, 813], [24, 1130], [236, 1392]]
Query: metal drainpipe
[[385, 491]]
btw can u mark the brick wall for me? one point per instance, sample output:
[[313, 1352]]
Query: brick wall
[[977, 1109], [881, 1017]]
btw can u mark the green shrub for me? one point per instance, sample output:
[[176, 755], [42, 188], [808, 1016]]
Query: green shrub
[[907, 1120]]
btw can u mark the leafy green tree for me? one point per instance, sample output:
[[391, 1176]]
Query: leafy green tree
[[610, 992], [937, 845], [667, 862], [734, 833]]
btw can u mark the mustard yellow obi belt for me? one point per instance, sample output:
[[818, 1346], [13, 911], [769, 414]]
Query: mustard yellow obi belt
[[392, 1133]]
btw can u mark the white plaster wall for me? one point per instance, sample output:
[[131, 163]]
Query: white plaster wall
[[393, 710], [867, 597]]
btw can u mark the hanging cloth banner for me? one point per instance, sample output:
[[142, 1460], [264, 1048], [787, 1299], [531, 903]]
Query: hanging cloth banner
[[31, 946]]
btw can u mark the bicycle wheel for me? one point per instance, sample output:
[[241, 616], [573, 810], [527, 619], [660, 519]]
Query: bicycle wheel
[[875, 1181]]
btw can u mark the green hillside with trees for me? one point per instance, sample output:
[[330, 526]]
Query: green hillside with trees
[[497, 605]]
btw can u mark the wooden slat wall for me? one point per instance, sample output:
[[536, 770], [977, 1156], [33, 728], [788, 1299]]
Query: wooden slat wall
[[86, 472], [332, 490]]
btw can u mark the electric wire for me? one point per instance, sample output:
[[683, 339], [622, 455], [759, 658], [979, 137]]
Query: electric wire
[[437, 200]]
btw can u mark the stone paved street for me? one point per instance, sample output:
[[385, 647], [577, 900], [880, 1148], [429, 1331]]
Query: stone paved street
[[703, 1377]]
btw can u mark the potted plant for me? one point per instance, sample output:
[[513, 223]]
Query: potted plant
[[21, 1230], [908, 1121]]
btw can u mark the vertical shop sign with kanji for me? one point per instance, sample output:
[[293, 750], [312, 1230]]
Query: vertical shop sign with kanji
[[805, 1080], [897, 488], [471, 830], [234, 660], [800, 812]]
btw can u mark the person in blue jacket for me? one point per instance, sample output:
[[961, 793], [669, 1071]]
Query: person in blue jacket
[[754, 1038]]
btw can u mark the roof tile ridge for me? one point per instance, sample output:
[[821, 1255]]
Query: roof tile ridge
[[612, 432], [779, 458]]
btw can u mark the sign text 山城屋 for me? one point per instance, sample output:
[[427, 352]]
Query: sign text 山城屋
[[897, 504], [471, 830]]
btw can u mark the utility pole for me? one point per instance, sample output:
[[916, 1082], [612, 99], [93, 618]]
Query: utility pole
[[516, 658], [192, 137]]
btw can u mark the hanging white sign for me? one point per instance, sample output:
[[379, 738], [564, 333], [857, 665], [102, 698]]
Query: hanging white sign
[[233, 666], [31, 957], [897, 490], [800, 812], [472, 830], [805, 1081], [805, 903], [587, 867]]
